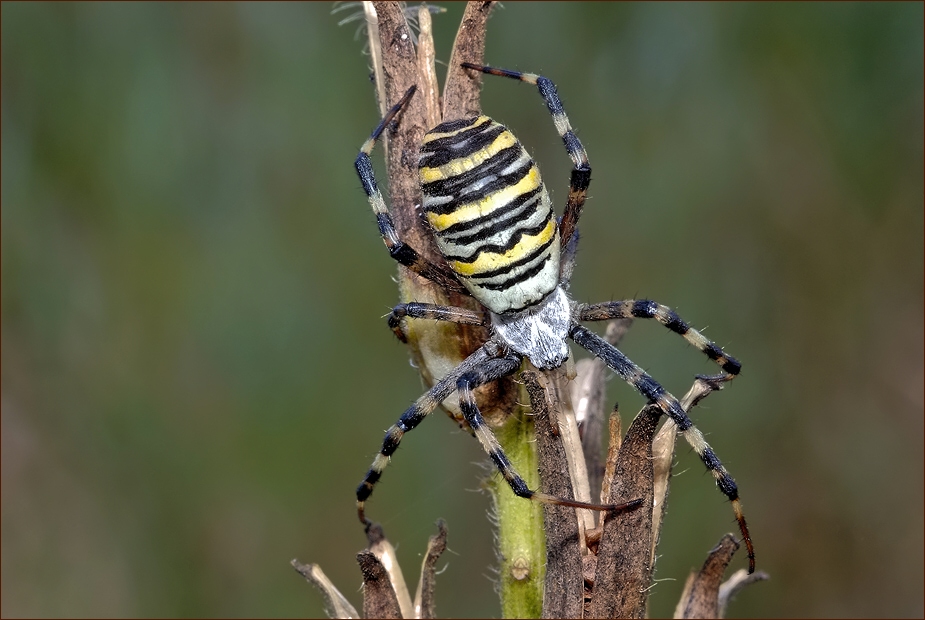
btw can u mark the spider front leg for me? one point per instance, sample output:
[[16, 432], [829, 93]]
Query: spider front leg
[[648, 309], [416, 310], [648, 387], [581, 169], [399, 250]]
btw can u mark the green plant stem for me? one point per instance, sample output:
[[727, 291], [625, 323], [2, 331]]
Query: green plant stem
[[521, 541]]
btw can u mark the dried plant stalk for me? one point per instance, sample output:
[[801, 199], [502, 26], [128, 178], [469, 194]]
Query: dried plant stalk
[[436, 348], [568, 568], [563, 583]]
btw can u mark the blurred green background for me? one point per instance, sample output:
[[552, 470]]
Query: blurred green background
[[196, 374]]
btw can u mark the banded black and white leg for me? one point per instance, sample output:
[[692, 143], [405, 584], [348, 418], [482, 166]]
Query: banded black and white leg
[[581, 169], [398, 249], [481, 367], [413, 416], [433, 312], [491, 371], [648, 309], [648, 387]]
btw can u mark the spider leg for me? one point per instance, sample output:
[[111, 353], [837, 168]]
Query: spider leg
[[648, 309], [581, 169], [413, 416], [648, 387], [416, 310], [491, 371], [399, 250]]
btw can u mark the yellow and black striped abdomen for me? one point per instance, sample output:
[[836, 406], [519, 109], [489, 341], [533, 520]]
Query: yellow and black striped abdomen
[[490, 212]]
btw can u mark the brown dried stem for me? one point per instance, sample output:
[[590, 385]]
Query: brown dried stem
[[595, 572], [564, 583]]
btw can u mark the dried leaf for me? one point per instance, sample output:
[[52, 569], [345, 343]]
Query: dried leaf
[[461, 92], [336, 604], [663, 454], [380, 547], [379, 600], [427, 70], [700, 598], [731, 586], [624, 568], [424, 604]]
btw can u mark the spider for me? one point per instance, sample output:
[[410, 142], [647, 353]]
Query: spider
[[494, 224]]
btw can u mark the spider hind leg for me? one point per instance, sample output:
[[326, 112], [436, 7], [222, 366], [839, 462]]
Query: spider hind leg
[[648, 387], [490, 371]]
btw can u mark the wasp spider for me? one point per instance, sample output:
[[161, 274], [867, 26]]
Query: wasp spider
[[494, 224]]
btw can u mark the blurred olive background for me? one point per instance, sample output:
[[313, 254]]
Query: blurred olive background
[[195, 368]]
